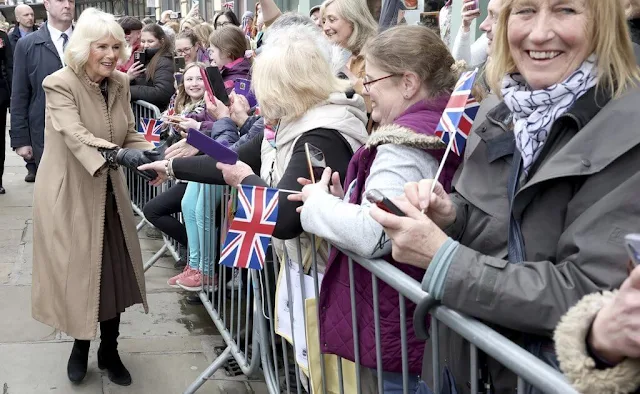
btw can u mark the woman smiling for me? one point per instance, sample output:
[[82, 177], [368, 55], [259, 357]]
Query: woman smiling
[[548, 186], [87, 265]]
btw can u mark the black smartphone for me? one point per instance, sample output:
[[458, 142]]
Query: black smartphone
[[216, 83], [140, 57], [179, 63], [375, 197], [315, 162], [178, 77]]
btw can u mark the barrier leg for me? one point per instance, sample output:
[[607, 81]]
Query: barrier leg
[[204, 376]]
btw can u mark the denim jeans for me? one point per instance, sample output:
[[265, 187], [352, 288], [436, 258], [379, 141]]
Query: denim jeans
[[391, 383]]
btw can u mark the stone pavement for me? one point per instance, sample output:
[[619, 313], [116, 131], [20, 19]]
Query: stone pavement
[[164, 350]]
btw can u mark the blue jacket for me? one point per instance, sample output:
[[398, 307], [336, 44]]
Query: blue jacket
[[35, 57], [225, 130]]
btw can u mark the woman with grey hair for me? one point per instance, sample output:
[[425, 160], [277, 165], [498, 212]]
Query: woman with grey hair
[[87, 264]]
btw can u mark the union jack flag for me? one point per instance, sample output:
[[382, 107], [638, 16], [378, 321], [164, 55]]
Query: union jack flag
[[151, 129], [459, 114], [248, 237]]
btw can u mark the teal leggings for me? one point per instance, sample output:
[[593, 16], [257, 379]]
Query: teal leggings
[[198, 210]]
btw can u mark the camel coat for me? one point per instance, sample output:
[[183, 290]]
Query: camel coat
[[70, 197]]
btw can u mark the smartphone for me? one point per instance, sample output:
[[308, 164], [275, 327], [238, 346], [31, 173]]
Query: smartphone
[[178, 77], [140, 57], [175, 15], [214, 84], [211, 147], [375, 197], [243, 88], [476, 4], [179, 63], [315, 162], [632, 243]]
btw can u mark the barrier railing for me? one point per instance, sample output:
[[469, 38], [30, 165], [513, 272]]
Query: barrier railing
[[269, 319], [141, 192], [284, 341]]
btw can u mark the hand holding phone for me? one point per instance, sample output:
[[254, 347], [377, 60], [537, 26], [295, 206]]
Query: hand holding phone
[[375, 197], [140, 57], [214, 84]]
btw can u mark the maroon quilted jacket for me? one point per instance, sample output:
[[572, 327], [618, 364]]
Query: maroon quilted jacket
[[336, 332]]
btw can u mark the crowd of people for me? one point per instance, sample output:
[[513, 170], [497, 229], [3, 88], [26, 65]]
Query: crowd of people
[[523, 231]]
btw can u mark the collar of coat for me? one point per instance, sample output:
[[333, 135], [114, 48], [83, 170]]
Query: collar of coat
[[399, 135], [114, 86], [605, 130]]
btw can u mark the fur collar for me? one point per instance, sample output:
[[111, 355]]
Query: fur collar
[[570, 339], [399, 135]]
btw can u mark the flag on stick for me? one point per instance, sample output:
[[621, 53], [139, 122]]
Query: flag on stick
[[459, 114], [248, 237], [151, 129]]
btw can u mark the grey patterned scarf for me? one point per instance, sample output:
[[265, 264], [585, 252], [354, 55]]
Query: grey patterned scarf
[[535, 111]]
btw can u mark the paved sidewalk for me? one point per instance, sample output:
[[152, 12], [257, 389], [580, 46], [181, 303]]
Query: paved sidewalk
[[164, 350]]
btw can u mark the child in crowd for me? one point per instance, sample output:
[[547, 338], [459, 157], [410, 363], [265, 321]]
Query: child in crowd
[[227, 49], [190, 105]]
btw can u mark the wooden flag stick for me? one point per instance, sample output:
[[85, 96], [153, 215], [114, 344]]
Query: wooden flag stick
[[444, 160], [289, 191]]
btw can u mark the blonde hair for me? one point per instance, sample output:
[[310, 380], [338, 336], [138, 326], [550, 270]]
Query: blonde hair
[[182, 99], [427, 57], [357, 13], [292, 76], [610, 38], [93, 25], [192, 21], [203, 32]]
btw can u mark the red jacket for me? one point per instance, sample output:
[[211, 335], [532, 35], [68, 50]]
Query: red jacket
[[126, 66]]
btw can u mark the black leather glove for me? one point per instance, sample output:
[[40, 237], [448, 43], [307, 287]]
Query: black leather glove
[[168, 138], [131, 158]]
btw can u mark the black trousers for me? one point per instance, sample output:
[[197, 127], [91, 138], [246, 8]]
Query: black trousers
[[3, 140], [158, 212]]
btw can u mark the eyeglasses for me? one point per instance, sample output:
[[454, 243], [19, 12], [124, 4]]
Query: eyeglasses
[[223, 24], [367, 83], [183, 51]]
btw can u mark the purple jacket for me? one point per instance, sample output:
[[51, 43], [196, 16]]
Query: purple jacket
[[336, 330], [238, 69], [206, 120]]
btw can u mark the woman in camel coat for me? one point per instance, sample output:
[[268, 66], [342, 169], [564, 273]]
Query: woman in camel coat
[[87, 264]]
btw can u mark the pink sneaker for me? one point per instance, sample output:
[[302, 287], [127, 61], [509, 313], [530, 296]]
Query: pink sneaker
[[188, 271], [194, 282]]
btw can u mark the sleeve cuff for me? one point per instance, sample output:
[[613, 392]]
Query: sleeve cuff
[[436, 275]]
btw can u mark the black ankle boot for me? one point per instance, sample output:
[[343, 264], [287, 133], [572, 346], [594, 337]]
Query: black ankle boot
[[108, 357], [77, 366]]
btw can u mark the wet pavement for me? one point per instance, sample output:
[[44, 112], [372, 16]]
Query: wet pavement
[[164, 350]]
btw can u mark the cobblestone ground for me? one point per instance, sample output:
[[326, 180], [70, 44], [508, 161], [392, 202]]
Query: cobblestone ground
[[164, 350]]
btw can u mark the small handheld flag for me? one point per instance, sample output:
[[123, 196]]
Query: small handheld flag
[[248, 237], [459, 114], [457, 119], [151, 129]]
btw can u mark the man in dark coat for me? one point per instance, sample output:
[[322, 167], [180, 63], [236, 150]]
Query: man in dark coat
[[36, 56], [25, 24]]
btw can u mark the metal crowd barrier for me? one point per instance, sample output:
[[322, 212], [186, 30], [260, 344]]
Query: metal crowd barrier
[[141, 192], [246, 319], [245, 315]]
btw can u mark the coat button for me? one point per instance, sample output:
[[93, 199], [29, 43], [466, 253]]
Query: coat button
[[586, 163]]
